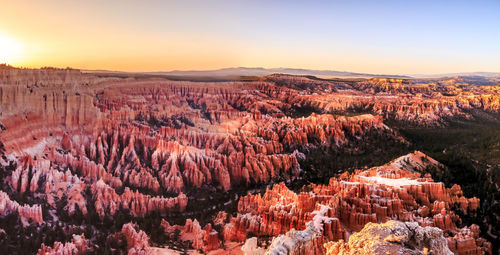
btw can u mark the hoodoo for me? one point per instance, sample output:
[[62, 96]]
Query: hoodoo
[[125, 164]]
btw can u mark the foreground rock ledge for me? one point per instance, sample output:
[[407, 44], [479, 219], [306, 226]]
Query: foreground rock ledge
[[392, 237]]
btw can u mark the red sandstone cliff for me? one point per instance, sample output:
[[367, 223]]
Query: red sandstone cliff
[[201, 238], [137, 241], [26, 213], [130, 142], [392, 191], [77, 246], [392, 237]]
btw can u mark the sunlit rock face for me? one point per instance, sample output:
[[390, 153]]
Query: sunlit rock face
[[392, 237], [201, 238], [137, 241], [76, 147], [410, 102], [395, 191], [26, 213], [163, 136], [78, 245]]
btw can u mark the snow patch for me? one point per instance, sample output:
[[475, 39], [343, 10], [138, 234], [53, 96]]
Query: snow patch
[[295, 240], [390, 182]]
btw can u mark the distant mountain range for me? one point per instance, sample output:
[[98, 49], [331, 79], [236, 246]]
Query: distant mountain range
[[259, 71], [482, 74]]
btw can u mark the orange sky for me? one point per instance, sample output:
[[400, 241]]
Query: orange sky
[[185, 35]]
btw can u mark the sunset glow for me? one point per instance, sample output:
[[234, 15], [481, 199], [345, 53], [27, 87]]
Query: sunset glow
[[10, 50], [249, 127], [388, 37]]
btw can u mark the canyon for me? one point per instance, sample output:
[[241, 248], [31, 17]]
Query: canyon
[[105, 164]]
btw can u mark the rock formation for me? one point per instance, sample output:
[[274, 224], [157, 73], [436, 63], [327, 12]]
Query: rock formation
[[137, 241], [467, 241], [305, 241], [79, 146], [107, 202], [26, 213], [395, 191], [202, 239], [392, 237], [414, 102], [79, 245], [39, 176]]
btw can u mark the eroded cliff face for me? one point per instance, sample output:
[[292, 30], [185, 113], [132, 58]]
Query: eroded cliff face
[[78, 245], [156, 136], [395, 191], [392, 237], [410, 102], [26, 213], [201, 238], [75, 145], [137, 241], [409, 238]]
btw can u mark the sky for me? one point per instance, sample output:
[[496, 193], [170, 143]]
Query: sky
[[391, 37]]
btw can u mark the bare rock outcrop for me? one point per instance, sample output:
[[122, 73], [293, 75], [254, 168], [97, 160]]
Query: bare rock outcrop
[[392, 237], [307, 241], [205, 239], [77, 246], [467, 241], [394, 191], [26, 213], [107, 201], [143, 146], [137, 241]]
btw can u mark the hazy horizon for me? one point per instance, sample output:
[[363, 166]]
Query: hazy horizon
[[387, 37], [204, 71]]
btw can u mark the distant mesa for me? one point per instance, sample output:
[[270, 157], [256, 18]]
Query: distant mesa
[[260, 71]]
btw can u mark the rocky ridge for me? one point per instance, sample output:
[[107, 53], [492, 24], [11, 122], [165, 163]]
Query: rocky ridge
[[395, 191], [143, 146]]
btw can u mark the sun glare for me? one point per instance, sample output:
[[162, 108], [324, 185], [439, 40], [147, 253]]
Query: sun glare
[[10, 49]]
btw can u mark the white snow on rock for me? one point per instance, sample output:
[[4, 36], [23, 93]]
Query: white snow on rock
[[390, 182], [300, 242]]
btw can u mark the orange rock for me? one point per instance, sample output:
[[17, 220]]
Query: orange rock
[[137, 241], [206, 239], [26, 213], [391, 191], [78, 245]]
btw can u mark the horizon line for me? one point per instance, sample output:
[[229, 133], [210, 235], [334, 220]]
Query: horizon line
[[255, 67]]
